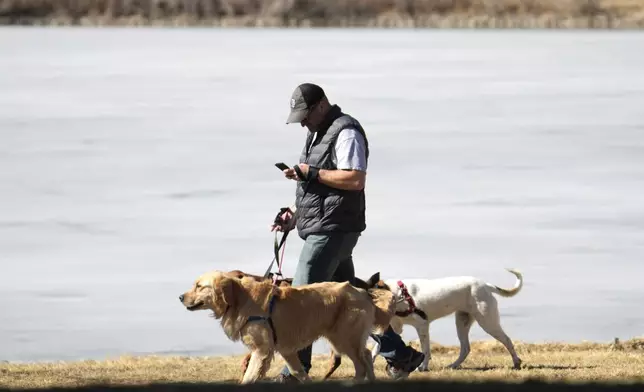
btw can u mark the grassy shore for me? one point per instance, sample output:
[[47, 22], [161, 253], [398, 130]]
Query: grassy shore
[[616, 14], [584, 362]]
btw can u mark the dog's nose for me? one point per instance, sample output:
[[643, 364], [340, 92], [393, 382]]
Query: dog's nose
[[181, 298]]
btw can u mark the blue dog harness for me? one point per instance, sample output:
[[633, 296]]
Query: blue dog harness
[[268, 318]]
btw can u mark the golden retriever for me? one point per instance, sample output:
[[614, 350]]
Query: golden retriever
[[335, 360], [269, 318]]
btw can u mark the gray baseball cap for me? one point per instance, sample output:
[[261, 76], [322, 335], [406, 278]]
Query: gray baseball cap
[[303, 98]]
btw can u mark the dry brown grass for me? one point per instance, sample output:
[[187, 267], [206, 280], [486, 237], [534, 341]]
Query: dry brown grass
[[337, 13], [596, 362]]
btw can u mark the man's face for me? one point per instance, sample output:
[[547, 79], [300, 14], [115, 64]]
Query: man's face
[[314, 118]]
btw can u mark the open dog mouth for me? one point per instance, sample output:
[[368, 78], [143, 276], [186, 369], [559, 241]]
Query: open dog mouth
[[195, 306]]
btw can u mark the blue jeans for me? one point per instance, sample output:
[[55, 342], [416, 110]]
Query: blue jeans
[[328, 257]]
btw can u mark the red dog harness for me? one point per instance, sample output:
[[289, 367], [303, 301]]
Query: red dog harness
[[410, 301]]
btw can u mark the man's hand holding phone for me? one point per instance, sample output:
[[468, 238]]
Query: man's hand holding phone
[[288, 171]]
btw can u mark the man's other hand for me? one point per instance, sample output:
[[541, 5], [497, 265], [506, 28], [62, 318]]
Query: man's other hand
[[285, 222]]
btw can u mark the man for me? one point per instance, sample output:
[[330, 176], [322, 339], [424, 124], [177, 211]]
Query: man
[[329, 209]]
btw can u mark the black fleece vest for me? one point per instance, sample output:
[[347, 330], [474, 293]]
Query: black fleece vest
[[321, 208]]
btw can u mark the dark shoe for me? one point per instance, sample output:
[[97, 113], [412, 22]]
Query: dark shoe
[[414, 361], [401, 369], [286, 379]]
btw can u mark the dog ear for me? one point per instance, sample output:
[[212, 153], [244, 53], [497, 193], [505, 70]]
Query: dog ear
[[371, 282], [228, 290], [223, 293], [359, 283]]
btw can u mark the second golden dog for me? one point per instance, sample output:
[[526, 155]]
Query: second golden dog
[[267, 318]]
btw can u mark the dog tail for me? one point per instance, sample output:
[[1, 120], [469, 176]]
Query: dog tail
[[513, 291]]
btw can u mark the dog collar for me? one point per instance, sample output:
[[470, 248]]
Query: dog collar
[[410, 301]]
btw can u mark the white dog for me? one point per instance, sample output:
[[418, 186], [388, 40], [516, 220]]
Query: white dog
[[421, 301]]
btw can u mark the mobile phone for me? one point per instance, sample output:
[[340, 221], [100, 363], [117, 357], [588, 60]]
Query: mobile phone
[[282, 166]]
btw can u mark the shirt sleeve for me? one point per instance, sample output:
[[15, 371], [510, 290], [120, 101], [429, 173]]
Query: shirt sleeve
[[350, 150]]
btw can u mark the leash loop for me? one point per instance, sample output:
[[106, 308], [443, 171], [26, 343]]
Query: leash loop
[[277, 246]]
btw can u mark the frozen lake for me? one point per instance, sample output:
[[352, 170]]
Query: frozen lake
[[131, 161]]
